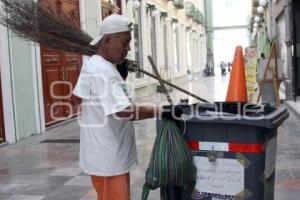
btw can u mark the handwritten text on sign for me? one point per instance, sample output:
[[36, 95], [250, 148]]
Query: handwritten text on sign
[[224, 176]]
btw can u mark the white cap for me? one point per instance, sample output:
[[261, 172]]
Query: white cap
[[112, 24]]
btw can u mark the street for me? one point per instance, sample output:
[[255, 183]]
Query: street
[[45, 167]]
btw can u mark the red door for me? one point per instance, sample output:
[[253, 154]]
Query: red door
[[2, 133], [60, 70]]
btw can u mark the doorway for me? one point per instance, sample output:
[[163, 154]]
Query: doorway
[[296, 59], [60, 70]]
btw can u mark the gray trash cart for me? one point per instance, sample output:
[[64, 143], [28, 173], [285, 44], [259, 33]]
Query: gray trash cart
[[234, 148]]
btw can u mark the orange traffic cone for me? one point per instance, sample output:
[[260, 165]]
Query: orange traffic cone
[[237, 91]]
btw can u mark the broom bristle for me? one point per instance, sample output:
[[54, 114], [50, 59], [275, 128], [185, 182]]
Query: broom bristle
[[31, 21]]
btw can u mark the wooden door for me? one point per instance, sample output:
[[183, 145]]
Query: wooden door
[[108, 8], [60, 70], [2, 132]]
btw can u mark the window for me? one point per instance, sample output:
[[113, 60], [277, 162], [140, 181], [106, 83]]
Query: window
[[153, 39], [137, 39], [176, 48], [165, 45], [189, 51], [165, 69]]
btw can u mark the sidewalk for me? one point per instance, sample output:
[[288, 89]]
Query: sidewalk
[[294, 107], [45, 167]]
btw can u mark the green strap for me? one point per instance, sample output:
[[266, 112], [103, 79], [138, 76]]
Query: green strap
[[171, 161], [145, 193]]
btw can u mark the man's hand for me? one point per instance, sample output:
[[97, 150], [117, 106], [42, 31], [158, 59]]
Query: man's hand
[[173, 112], [134, 112], [127, 66], [123, 69]]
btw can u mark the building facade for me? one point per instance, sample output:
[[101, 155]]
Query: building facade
[[279, 21], [36, 82]]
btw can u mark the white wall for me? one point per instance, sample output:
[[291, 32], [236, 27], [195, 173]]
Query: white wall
[[282, 50], [24, 87], [6, 83], [90, 16]]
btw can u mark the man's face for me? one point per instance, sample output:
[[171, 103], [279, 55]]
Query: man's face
[[118, 47]]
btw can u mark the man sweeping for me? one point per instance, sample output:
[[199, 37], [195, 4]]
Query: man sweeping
[[107, 141]]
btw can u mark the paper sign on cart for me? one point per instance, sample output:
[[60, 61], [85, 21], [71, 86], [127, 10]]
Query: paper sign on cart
[[224, 176]]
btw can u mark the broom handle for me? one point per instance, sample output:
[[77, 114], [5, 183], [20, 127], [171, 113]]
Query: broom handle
[[162, 85], [170, 84]]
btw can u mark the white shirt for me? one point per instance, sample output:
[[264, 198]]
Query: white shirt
[[107, 144]]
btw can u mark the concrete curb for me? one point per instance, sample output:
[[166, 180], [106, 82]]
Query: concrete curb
[[294, 107]]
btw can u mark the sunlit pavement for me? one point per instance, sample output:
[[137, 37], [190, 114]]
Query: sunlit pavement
[[31, 170]]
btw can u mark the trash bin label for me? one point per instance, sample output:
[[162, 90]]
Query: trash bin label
[[216, 146], [224, 176]]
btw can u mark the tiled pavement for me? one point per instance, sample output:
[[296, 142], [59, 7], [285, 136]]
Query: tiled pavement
[[30, 170], [288, 160]]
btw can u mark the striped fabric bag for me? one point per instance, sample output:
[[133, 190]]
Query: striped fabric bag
[[171, 164]]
